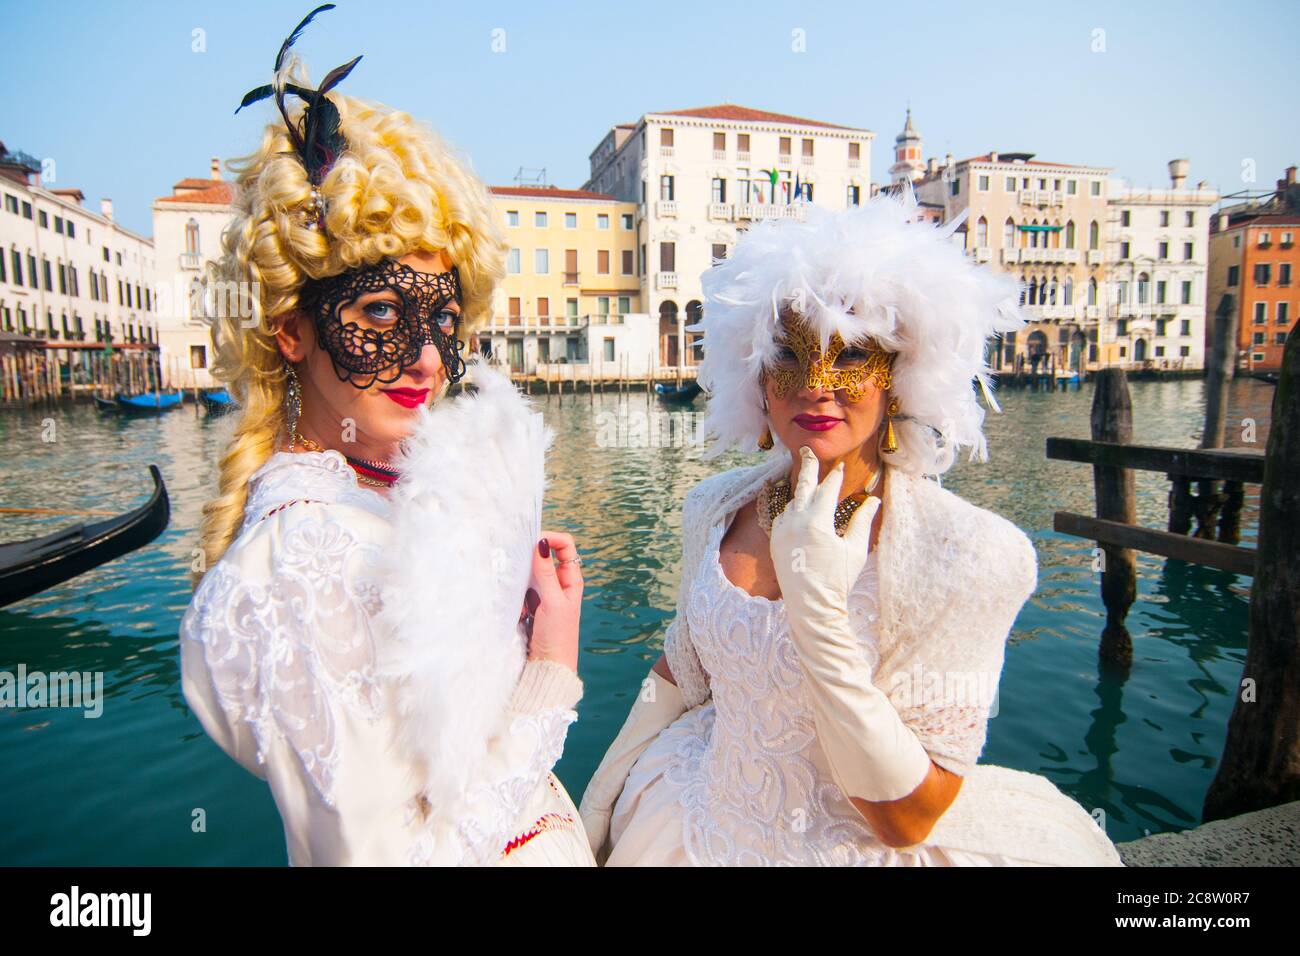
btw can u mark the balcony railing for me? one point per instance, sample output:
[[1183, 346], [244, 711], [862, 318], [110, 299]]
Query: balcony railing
[[191, 261], [666, 280], [720, 154], [720, 210], [742, 156], [768, 211], [666, 208], [534, 323]]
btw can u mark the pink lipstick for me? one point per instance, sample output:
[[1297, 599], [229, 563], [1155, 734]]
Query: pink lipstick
[[816, 423]]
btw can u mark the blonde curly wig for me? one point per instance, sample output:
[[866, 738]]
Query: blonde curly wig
[[399, 188]]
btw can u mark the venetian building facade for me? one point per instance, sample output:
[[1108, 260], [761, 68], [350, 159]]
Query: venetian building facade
[[699, 177], [1044, 223], [72, 277], [187, 227], [570, 305], [1158, 252], [1254, 258]]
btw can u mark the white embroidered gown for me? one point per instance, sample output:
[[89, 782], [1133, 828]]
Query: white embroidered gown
[[279, 650], [741, 779]]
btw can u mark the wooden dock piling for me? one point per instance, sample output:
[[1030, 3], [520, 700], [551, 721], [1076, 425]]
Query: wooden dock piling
[[1112, 421], [1260, 766]]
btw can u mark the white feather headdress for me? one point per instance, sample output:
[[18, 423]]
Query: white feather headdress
[[872, 270]]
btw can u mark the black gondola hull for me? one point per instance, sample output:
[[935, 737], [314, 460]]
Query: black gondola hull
[[29, 567]]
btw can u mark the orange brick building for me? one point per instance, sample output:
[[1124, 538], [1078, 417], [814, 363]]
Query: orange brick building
[[1255, 258]]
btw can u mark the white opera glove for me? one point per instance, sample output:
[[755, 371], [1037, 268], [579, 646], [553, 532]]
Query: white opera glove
[[658, 704], [872, 753]]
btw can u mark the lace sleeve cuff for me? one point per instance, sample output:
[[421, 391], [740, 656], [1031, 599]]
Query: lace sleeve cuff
[[546, 685]]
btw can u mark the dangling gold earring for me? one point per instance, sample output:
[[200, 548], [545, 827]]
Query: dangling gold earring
[[293, 405], [765, 441], [891, 440]]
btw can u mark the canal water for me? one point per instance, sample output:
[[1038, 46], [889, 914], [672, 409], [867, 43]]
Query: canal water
[[124, 788]]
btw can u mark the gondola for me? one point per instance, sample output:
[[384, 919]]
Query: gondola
[[31, 566], [150, 403], [677, 394], [216, 400]]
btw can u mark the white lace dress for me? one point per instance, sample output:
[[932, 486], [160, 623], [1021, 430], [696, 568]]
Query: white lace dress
[[742, 780], [289, 643]]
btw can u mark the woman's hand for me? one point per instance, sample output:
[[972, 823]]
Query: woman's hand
[[815, 567], [553, 602]]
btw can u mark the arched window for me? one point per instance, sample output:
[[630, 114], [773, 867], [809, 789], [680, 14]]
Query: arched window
[[1094, 234], [1069, 234], [1069, 291], [1144, 284], [982, 233], [1009, 234], [192, 238], [1092, 291], [1033, 292]]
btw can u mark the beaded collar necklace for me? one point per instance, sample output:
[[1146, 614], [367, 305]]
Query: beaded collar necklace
[[370, 471]]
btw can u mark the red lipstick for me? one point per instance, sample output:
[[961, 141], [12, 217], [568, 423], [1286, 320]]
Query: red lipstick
[[816, 423], [407, 397]]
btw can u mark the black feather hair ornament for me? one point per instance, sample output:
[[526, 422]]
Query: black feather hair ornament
[[319, 139]]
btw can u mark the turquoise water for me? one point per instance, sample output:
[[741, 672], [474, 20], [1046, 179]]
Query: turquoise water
[[122, 789]]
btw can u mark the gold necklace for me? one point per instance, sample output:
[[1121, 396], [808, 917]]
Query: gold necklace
[[775, 495]]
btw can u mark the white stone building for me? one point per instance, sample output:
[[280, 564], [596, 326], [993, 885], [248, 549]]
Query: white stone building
[[700, 177], [1158, 246], [70, 276], [187, 227]]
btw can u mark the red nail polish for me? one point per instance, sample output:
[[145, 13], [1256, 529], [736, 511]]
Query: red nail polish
[[533, 600], [544, 548]]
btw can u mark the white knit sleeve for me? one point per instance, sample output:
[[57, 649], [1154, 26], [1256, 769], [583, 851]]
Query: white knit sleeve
[[683, 660], [947, 704]]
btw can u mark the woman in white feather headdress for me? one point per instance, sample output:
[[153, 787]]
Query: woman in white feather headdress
[[827, 680], [380, 629]]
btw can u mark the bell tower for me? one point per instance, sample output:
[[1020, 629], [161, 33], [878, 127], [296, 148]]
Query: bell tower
[[907, 154]]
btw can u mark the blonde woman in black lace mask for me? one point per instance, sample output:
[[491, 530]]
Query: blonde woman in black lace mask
[[381, 630]]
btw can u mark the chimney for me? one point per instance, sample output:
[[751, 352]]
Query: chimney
[[993, 155], [947, 159], [106, 209], [1290, 175], [931, 165], [1223, 222], [1178, 172], [216, 168]]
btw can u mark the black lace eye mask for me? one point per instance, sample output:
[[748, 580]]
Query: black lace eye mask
[[389, 339]]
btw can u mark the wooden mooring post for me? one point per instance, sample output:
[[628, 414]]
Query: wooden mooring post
[[1115, 528], [1112, 421], [1260, 766]]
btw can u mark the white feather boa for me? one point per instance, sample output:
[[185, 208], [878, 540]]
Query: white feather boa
[[466, 516]]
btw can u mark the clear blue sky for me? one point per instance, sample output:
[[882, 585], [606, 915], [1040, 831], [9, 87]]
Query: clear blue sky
[[114, 94]]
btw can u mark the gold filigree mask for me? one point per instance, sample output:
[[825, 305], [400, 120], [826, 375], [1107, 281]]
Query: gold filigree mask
[[800, 363]]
